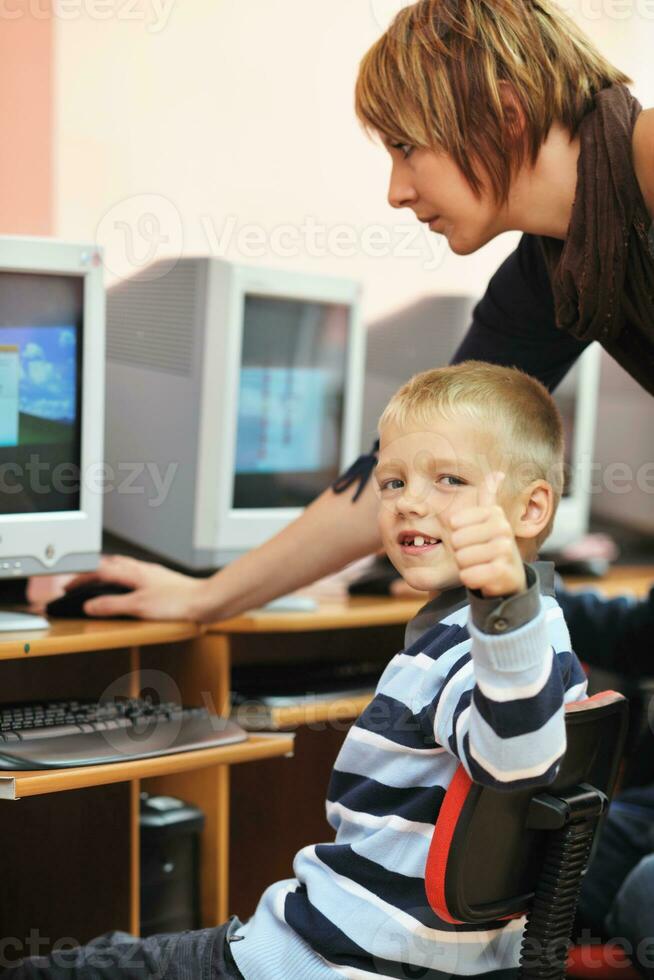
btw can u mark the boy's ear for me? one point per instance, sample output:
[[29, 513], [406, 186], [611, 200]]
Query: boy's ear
[[533, 510]]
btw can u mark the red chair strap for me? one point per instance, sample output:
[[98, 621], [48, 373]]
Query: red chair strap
[[441, 842]]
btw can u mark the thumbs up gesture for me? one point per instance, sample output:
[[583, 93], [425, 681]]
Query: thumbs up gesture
[[484, 545]]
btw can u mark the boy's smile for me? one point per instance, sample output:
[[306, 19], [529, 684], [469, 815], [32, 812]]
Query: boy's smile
[[424, 477], [417, 543]]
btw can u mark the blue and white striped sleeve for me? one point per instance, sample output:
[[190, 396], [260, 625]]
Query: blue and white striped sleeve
[[506, 722]]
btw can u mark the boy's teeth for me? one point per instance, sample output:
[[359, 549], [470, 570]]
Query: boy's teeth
[[418, 542]]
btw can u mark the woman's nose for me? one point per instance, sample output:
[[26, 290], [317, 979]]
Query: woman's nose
[[400, 189]]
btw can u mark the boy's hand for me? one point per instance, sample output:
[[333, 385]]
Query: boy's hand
[[484, 545]]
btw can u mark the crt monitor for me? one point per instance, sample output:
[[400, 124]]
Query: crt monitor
[[426, 334], [233, 400], [51, 407]]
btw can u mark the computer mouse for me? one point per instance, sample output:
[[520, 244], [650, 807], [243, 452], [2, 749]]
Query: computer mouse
[[71, 604]]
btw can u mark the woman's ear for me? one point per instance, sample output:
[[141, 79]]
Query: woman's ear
[[533, 511], [514, 114]]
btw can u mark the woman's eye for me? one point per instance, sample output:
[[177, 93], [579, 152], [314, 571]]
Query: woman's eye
[[405, 149]]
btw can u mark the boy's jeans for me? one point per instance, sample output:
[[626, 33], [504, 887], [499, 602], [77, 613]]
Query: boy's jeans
[[200, 955], [617, 895]]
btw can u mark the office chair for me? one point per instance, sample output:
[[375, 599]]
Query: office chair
[[499, 855]]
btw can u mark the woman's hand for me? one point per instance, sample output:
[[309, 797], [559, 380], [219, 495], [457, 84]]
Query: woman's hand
[[158, 592]]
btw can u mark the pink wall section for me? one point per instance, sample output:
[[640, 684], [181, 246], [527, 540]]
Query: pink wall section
[[26, 184]]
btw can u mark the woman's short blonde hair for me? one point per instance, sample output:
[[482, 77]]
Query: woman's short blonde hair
[[515, 411], [433, 81]]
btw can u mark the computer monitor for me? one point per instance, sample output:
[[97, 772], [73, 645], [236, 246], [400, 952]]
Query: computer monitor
[[51, 406], [233, 400], [426, 334]]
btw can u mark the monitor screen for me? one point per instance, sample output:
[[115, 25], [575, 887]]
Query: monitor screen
[[40, 392], [291, 401]]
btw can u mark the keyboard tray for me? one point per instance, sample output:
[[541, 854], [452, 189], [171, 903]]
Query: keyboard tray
[[151, 737]]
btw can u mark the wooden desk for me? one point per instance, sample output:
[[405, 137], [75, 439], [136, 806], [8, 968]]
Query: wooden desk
[[351, 612], [71, 844], [622, 579], [332, 613]]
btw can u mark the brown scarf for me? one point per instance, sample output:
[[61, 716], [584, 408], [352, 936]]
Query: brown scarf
[[602, 275]]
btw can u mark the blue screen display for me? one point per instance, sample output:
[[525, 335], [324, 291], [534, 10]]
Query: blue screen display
[[280, 419], [41, 336], [38, 377], [290, 401]]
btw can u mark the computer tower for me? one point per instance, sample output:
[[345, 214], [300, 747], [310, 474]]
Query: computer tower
[[170, 865]]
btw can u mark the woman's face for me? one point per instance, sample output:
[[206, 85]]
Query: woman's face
[[433, 186]]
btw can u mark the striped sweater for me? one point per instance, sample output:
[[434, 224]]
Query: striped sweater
[[456, 694]]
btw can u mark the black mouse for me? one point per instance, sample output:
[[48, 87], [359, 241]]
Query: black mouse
[[71, 604]]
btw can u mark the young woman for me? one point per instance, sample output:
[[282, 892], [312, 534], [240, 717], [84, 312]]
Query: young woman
[[497, 115]]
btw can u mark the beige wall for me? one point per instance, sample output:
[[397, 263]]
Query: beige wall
[[26, 114], [236, 114]]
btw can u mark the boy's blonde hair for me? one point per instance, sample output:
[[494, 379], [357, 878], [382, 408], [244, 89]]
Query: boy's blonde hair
[[432, 81], [516, 411]]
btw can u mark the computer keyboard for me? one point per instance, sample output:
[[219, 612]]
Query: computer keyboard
[[62, 734]]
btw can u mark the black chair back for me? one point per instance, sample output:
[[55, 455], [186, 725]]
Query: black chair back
[[489, 846]]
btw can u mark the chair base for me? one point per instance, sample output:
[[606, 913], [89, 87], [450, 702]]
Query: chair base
[[572, 819]]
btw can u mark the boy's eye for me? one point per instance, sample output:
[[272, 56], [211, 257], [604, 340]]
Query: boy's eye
[[452, 481], [387, 484]]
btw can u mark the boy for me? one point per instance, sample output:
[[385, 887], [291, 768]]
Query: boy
[[469, 476]]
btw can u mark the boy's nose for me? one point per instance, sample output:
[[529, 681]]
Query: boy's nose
[[413, 503]]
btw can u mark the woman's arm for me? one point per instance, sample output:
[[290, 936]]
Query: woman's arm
[[332, 532]]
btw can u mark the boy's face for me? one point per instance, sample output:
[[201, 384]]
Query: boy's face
[[423, 477]]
